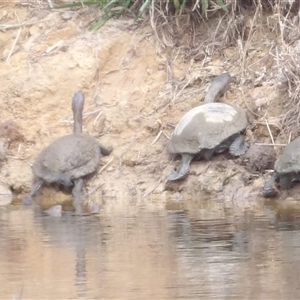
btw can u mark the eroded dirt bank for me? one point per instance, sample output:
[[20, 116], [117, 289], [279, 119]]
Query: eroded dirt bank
[[135, 95]]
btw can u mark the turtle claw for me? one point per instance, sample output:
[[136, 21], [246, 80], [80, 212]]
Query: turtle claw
[[28, 199], [270, 192], [269, 189], [186, 159], [176, 176]]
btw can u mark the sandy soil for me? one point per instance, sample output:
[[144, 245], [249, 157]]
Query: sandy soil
[[135, 95]]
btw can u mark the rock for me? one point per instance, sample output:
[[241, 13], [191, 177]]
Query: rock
[[259, 158], [5, 195], [95, 208], [11, 131], [3, 149], [66, 16], [17, 175], [54, 211]]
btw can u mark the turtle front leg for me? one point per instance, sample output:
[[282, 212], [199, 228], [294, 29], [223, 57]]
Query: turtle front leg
[[238, 147], [36, 186], [186, 159], [269, 189], [78, 195]]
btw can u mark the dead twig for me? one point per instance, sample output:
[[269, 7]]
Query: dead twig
[[154, 188], [50, 3], [100, 171], [98, 117], [247, 103], [125, 150], [95, 189], [159, 181], [105, 166], [4, 27], [158, 136], [266, 144], [14, 45], [270, 132], [226, 179], [57, 45]]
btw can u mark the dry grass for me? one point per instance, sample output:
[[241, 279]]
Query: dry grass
[[199, 28], [200, 33]]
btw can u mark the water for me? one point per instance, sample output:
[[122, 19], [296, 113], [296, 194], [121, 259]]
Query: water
[[134, 253]]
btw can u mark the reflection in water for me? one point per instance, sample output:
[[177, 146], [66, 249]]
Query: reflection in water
[[75, 234], [203, 253]]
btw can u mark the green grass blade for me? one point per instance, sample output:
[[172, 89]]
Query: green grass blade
[[222, 5], [91, 2], [176, 4], [204, 7], [143, 8], [106, 7], [110, 13], [101, 22], [183, 5]]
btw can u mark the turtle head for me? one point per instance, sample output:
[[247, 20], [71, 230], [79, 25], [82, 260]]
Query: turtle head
[[77, 107], [78, 101], [65, 179]]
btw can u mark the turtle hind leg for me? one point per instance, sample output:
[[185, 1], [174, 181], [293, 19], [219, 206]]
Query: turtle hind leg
[[269, 189], [208, 154], [286, 181], [36, 186], [238, 147], [186, 159]]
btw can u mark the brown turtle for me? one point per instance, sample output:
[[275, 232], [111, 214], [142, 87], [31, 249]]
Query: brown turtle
[[68, 159], [208, 129]]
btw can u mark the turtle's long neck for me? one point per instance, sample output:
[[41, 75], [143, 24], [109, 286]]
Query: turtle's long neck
[[217, 88], [77, 107]]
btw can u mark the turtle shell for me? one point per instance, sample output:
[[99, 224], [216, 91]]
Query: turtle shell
[[70, 157], [206, 127], [288, 162]]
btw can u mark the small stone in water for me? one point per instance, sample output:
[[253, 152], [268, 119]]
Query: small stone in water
[[54, 211]]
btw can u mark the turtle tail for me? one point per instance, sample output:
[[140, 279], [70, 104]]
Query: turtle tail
[[105, 150]]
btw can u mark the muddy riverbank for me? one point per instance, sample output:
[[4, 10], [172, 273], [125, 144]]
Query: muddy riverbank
[[135, 94]]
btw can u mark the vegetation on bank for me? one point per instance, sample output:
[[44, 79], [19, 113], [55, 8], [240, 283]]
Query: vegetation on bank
[[177, 23], [139, 8], [204, 8]]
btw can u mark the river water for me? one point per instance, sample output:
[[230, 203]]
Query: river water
[[198, 251]]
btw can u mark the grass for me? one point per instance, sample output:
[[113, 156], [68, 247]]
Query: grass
[[237, 23], [139, 8]]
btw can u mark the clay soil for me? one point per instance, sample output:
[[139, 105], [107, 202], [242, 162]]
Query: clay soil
[[135, 94]]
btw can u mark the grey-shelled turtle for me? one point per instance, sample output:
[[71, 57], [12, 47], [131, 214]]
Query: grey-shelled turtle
[[286, 169], [68, 159], [208, 129]]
